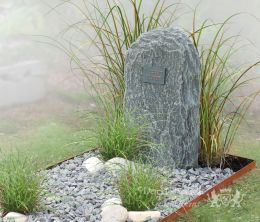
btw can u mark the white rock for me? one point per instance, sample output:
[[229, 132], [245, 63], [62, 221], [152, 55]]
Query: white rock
[[114, 213], [93, 164], [110, 202], [141, 216], [15, 217], [116, 164]]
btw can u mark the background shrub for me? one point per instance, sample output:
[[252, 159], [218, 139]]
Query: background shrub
[[140, 187], [20, 186]]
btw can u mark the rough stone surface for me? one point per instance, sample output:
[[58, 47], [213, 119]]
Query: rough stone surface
[[93, 164], [172, 109], [114, 213], [15, 217], [141, 216]]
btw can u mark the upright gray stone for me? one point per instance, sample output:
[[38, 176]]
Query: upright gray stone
[[162, 84]]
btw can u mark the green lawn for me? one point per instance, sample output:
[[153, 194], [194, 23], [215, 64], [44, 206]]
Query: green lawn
[[50, 131], [248, 185], [48, 143]]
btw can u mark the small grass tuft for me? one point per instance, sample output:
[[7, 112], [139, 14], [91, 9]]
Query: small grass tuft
[[140, 187], [119, 135], [20, 186]]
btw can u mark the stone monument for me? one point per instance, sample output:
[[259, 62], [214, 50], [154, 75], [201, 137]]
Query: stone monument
[[162, 83]]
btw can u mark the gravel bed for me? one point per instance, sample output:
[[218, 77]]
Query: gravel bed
[[72, 194]]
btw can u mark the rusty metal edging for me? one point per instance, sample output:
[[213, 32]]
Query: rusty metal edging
[[50, 166], [184, 209]]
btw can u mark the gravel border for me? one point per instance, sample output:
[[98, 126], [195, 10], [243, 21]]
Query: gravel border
[[72, 194]]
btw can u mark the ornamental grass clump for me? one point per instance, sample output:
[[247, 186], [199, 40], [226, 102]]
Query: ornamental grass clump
[[118, 134], [20, 186], [140, 187], [221, 109], [114, 26], [116, 30]]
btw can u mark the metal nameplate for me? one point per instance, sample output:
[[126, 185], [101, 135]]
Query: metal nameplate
[[154, 75]]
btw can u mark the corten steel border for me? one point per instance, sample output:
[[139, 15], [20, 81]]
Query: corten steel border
[[50, 166], [184, 209]]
